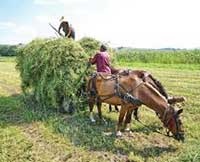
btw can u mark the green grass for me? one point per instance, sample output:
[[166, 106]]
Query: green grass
[[7, 59], [159, 56], [34, 134], [136, 65]]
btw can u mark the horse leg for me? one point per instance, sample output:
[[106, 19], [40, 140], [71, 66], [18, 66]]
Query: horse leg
[[99, 110], [116, 108], [122, 113], [136, 114], [128, 120], [99, 104], [91, 106], [128, 117], [110, 108]]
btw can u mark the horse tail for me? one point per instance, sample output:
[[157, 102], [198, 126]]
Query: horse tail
[[161, 89]]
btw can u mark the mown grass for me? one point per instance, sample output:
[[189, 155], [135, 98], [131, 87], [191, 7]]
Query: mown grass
[[28, 133], [7, 59]]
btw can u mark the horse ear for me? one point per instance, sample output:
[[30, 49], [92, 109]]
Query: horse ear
[[179, 112]]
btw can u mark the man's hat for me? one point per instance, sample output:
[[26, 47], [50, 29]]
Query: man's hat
[[62, 18]]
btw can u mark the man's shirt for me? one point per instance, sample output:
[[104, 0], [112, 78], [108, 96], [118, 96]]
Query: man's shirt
[[101, 59]]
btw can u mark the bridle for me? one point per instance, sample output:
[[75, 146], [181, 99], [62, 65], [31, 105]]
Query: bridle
[[167, 121]]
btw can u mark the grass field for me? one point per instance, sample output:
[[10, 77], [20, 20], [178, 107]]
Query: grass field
[[159, 56], [47, 136]]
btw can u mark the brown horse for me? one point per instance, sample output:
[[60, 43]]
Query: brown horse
[[155, 83], [131, 90]]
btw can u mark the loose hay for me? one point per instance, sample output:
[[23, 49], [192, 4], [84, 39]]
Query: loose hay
[[53, 70], [49, 69]]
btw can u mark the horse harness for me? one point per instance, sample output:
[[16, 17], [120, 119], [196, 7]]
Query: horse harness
[[127, 97]]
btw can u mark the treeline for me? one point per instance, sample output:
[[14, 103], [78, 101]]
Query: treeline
[[165, 56], [158, 56], [8, 50]]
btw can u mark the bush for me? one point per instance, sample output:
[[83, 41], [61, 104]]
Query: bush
[[8, 50], [50, 70]]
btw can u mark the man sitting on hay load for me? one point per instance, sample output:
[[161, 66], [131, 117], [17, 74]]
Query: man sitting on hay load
[[102, 61]]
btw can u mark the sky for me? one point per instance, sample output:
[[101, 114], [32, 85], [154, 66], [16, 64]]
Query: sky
[[129, 23]]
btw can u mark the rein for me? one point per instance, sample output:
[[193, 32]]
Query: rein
[[165, 124], [156, 131]]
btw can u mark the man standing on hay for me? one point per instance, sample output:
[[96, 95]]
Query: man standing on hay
[[68, 30]]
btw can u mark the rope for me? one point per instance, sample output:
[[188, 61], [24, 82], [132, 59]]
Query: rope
[[156, 131]]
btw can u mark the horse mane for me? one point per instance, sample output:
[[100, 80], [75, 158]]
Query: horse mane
[[160, 87]]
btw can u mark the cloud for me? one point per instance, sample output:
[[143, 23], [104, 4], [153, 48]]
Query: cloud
[[7, 25], [45, 2], [138, 23], [25, 31], [58, 2], [13, 33], [45, 19]]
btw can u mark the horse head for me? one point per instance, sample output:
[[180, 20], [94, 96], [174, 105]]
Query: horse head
[[173, 122]]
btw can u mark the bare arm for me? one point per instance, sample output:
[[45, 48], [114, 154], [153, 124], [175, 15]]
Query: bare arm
[[93, 60]]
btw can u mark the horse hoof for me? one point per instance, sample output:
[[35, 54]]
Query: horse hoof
[[118, 134], [127, 129], [92, 120], [137, 118], [104, 121]]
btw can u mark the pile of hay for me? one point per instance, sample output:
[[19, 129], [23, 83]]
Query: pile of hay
[[90, 45], [52, 70]]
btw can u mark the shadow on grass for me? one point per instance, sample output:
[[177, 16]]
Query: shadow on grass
[[10, 110], [101, 137], [146, 152], [77, 128], [147, 129]]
